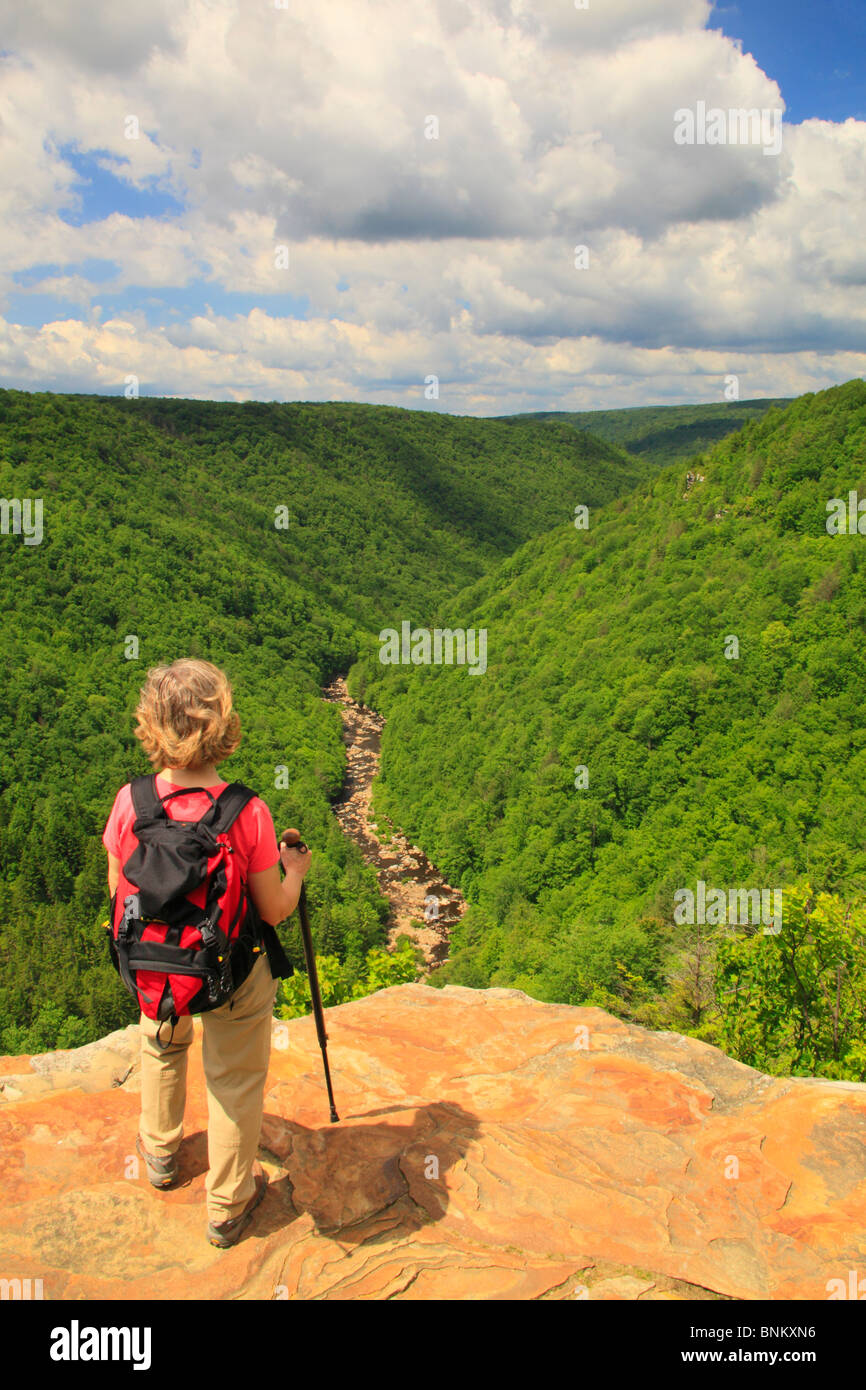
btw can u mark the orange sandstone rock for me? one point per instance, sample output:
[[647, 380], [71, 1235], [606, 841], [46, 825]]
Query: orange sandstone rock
[[489, 1147]]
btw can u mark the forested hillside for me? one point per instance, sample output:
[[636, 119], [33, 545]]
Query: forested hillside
[[700, 650], [266, 538], [660, 433]]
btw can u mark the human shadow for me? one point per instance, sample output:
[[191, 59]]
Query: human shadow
[[350, 1174], [357, 1173]]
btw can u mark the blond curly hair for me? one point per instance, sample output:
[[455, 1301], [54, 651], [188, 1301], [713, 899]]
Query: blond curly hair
[[185, 716]]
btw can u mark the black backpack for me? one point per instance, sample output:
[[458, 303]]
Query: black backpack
[[176, 957]]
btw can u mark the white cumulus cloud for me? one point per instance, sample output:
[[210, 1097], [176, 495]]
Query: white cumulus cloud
[[307, 128]]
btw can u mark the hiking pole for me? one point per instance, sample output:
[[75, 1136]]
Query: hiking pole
[[313, 977], [316, 995]]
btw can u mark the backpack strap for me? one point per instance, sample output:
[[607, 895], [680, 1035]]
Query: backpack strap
[[281, 966], [145, 801], [224, 809], [229, 804]]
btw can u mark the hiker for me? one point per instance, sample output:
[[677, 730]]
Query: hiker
[[187, 727]]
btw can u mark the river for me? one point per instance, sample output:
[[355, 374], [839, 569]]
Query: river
[[412, 885]]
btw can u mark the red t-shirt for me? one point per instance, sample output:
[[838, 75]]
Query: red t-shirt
[[252, 836]]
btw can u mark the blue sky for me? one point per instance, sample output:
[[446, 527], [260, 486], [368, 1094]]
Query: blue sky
[[100, 190], [813, 48]]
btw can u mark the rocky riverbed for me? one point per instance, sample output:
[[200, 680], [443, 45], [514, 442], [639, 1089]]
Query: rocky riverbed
[[423, 905]]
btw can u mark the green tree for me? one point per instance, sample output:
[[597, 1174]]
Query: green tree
[[795, 1002]]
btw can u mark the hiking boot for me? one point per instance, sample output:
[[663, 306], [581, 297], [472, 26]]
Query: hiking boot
[[161, 1172], [222, 1234]]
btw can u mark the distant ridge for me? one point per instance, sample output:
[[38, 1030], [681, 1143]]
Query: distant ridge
[[660, 433]]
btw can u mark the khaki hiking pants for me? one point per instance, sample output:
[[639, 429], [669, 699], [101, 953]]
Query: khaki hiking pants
[[236, 1048]]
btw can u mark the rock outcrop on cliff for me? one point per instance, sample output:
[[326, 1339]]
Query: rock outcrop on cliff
[[489, 1147]]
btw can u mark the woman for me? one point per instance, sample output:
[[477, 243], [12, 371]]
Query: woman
[[187, 727]]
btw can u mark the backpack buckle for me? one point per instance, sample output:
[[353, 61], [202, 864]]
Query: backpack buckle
[[208, 935]]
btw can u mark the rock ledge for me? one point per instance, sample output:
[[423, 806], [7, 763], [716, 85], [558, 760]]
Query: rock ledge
[[490, 1147]]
